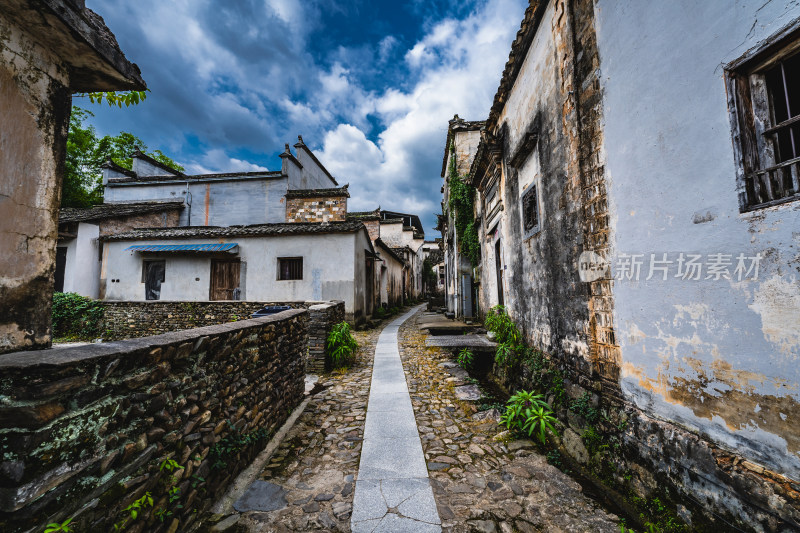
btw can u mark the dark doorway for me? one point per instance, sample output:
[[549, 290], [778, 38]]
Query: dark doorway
[[498, 261], [224, 279], [61, 265], [153, 273], [369, 266]]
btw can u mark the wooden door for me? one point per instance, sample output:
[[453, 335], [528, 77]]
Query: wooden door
[[224, 279]]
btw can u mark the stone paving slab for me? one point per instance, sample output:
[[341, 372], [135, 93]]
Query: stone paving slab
[[392, 492], [461, 341]]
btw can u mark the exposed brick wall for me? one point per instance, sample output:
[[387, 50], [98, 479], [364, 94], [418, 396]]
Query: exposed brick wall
[[373, 228], [166, 219], [324, 209], [322, 317], [86, 429]]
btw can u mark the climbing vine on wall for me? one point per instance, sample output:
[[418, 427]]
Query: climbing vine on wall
[[462, 196]]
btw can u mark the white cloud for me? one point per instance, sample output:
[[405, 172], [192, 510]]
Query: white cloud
[[217, 160], [460, 63]]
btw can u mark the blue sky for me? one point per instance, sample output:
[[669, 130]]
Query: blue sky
[[369, 85]]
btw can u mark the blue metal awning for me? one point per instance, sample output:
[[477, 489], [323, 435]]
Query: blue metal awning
[[229, 247]]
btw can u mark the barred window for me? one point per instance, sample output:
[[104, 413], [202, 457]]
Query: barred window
[[764, 101], [290, 268], [530, 211]]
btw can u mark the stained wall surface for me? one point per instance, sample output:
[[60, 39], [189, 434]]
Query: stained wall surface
[[718, 356]]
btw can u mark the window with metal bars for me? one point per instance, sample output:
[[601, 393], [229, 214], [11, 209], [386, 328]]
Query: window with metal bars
[[764, 97], [290, 268], [530, 211]]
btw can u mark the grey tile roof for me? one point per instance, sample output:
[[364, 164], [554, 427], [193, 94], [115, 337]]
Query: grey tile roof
[[318, 193], [197, 177], [106, 211], [255, 230]]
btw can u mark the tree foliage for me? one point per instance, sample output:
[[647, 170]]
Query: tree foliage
[[86, 151], [114, 98]]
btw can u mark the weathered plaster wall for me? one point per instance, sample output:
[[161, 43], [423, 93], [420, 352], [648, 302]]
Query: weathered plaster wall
[[542, 289], [213, 202], [34, 106], [719, 357], [321, 209], [328, 269], [82, 269], [85, 430], [165, 219], [312, 176]]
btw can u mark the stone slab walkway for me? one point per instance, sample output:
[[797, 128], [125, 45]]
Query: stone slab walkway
[[392, 493]]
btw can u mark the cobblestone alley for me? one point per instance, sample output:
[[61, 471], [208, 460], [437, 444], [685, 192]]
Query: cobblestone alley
[[479, 483]]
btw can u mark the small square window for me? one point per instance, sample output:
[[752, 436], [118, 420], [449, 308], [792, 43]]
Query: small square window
[[290, 268], [530, 211]]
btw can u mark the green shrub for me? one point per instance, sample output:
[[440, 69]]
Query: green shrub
[[465, 359], [394, 310], [341, 345], [75, 316], [527, 412], [508, 336], [380, 312]]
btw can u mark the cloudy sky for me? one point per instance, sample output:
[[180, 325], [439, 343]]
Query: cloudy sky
[[369, 85]]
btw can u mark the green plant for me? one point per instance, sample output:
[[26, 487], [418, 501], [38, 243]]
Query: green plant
[[133, 510], [461, 204], [76, 317], [233, 443], [465, 359], [394, 310], [505, 355], [527, 412], [341, 345], [169, 465], [380, 312], [583, 407], [55, 527]]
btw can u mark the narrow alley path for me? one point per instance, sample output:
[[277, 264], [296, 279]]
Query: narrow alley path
[[331, 471], [392, 491]]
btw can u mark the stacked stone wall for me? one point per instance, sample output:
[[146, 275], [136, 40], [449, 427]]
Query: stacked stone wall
[[127, 320], [89, 431], [325, 209], [322, 318]]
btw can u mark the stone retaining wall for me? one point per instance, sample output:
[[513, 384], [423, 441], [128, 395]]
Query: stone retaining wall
[[127, 320], [87, 431], [322, 318]]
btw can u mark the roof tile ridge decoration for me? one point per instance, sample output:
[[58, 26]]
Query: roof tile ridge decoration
[[519, 48], [138, 154], [197, 177], [287, 153], [319, 193], [255, 230], [365, 215], [392, 221], [109, 164], [300, 144], [458, 124]]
